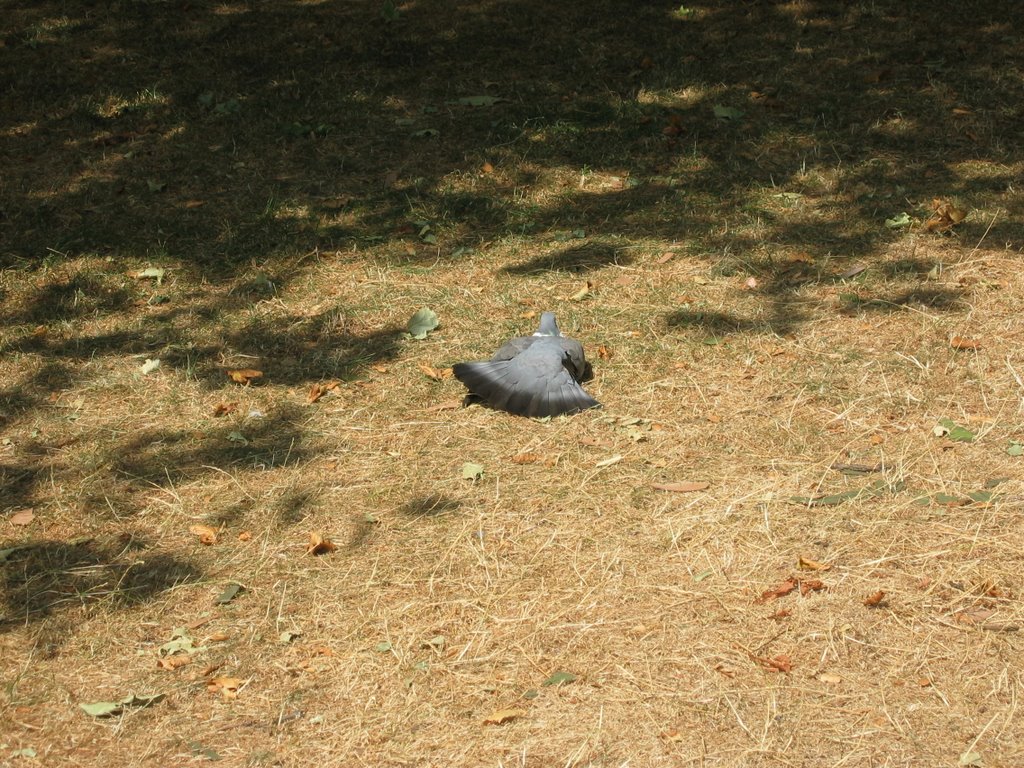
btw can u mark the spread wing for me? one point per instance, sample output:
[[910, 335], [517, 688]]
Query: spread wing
[[539, 381]]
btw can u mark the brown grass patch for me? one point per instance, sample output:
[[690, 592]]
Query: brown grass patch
[[760, 552]]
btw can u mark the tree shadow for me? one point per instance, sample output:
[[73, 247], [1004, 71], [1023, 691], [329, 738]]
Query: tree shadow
[[44, 578]]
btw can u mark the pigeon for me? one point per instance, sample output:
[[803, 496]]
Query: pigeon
[[536, 375]]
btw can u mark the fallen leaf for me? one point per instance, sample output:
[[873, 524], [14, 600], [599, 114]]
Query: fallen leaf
[[528, 458], [924, 682], [225, 686], [218, 637], [780, 663], [953, 431], [583, 292], [243, 375], [112, 708], [811, 585], [244, 536], [231, 591], [423, 322], [780, 590], [680, 487], [959, 342], [806, 564], [750, 283], [899, 221], [945, 216], [190, 204], [830, 678], [471, 471], [487, 168], [437, 374], [207, 535], [502, 716], [604, 353], [149, 366], [666, 257], [288, 636], [971, 759], [153, 272], [22, 517], [319, 545], [450, 405], [320, 389], [174, 662], [596, 442], [223, 409], [671, 735], [976, 615], [560, 678], [608, 462], [875, 599], [781, 613]]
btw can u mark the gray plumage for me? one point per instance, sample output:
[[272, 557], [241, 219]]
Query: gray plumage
[[535, 375]]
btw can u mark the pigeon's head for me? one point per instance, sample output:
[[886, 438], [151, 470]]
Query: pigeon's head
[[548, 325]]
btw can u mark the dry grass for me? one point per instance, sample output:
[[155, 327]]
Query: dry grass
[[263, 156]]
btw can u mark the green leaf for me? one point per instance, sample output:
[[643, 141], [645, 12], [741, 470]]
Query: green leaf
[[703, 575], [533, 693], [422, 323], [437, 643], [23, 752], [955, 432], [970, 758], [154, 272], [389, 12], [471, 471], [480, 101], [156, 186], [382, 647], [1013, 449], [237, 437], [231, 591], [981, 497], [727, 113], [827, 501], [112, 708], [560, 678], [426, 133], [421, 666], [899, 221]]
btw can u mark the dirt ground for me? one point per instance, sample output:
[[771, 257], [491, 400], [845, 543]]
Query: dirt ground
[[789, 236]]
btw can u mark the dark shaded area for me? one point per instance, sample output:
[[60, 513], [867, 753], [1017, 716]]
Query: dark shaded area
[[578, 259], [45, 578], [431, 505]]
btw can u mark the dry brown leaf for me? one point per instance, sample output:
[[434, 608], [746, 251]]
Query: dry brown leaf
[[223, 409], [437, 374], [666, 257], [527, 458], [680, 487], [243, 375], [174, 662], [320, 389], [779, 590], [503, 716], [724, 669], [190, 204], [319, 545], [875, 599], [596, 442], [779, 663], [811, 585], [830, 678], [975, 615], [207, 534], [672, 734], [924, 682], [806, 564], [959, 342], [781, 613], [876, 439], [582, 293], [450, 405], [380, 368], [604, 353], [225, 686], [22, 517], [487, 168], [218, 637], [945, 217]]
